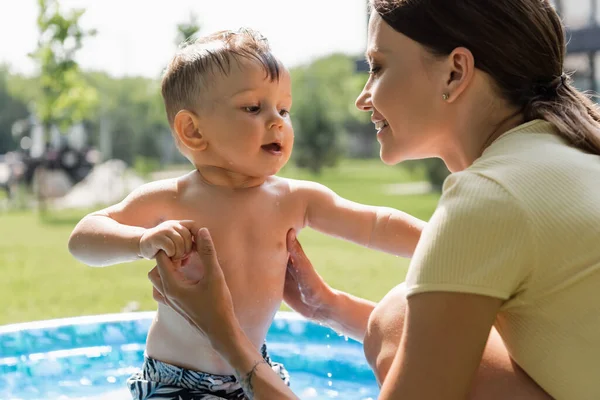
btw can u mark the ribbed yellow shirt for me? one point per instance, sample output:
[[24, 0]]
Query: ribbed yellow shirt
[[523, 224]]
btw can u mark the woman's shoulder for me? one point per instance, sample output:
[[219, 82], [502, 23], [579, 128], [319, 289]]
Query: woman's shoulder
[[537, 176], [533, 165], [533, 148], [472, 194]]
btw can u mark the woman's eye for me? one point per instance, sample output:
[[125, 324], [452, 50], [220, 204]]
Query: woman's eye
[[374, 69], [252, 109]]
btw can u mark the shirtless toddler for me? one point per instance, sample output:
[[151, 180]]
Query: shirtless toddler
[[227, 99]]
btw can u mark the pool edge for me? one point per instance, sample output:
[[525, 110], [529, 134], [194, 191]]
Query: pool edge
[[114, 317]]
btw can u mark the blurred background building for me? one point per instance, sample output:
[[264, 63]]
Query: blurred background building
[[582, 18]]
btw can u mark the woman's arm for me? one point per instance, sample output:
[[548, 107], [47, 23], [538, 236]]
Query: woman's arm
[[441, 347], [256, 377]]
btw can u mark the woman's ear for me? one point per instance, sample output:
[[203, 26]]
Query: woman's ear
[[460, 73], [187, 128]]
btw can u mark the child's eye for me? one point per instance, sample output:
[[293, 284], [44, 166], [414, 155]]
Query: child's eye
[[252, 109], [284, 112]]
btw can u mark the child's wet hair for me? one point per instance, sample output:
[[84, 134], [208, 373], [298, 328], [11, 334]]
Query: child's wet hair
[[189, 72]]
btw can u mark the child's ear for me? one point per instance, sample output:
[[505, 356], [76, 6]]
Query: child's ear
[[187, 128]]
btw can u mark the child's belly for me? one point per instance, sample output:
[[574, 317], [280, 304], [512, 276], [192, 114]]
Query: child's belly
[[256, 294], [253, 258], [173, 340]]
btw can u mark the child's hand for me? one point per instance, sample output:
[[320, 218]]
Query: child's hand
[[173, 237]]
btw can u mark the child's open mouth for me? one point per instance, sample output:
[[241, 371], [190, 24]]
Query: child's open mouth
[[273, 148]]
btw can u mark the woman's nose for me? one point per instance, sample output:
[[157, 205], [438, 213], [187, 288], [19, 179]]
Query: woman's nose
[[363, 101]]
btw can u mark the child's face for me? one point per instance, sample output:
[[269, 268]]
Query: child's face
[[247, 125]]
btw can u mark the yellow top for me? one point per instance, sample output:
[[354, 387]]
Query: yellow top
[[523, 224]]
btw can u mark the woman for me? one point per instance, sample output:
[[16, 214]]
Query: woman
[[500, 300]]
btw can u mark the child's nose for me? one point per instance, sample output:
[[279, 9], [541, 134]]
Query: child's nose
[[276, 121]]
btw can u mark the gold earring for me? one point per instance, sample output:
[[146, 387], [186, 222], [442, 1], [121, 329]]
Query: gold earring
[[445, 96]]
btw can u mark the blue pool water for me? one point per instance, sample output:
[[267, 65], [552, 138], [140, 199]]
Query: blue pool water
[[91, 357]]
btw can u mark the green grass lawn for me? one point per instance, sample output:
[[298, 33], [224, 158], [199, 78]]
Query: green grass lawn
[[40, 279]]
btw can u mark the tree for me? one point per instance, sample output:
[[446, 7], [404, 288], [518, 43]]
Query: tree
[[435, 171], [317, 136], [12, 109], [324, 110], [65, 97], [187, 31]]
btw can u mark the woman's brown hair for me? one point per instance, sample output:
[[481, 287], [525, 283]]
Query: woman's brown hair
[[519, 43]]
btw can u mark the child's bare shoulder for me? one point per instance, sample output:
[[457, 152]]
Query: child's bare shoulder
[[302, 193], [155, 192], [289, 186], [149, 204], [302, 188]]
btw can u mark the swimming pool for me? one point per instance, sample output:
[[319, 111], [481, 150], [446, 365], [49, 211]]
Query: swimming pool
[[91, 357]]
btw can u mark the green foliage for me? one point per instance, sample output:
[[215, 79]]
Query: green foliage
[[434, 169], [317, 143], [65, 97], [324, 93], [144, 166], [12, 109], [338, 85], [133, 109], [188, 31]]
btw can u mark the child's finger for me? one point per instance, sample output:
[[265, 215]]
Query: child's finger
[[186, 235], [189, 224], [178, 244], [166, 244]]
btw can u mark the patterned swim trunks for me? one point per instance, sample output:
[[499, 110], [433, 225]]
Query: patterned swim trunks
[[159, 380]]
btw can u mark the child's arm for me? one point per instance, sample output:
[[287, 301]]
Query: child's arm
[[132, 229], [380, 228]]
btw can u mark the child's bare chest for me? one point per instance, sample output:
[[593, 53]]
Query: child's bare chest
[[248, 229]]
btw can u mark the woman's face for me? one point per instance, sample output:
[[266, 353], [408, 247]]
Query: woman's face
[[404, 94]]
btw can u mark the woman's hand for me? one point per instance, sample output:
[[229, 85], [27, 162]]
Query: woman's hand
[[308, 294], [305, 291], [204, 300]]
